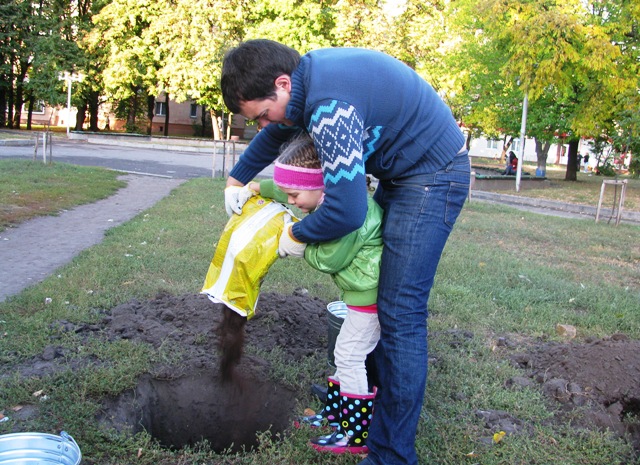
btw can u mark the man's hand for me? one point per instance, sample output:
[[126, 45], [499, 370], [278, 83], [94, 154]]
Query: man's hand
[[235, 197], [288, 244]]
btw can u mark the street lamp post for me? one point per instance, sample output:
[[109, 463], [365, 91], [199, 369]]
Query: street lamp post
[[523, 134], [69, 77]]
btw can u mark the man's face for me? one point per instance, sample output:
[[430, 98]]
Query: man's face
[[270, 110]]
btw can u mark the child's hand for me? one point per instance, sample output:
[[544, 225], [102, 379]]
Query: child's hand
[[288, 244]]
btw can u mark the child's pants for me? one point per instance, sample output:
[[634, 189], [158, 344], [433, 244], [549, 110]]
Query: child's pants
[[358, 336]]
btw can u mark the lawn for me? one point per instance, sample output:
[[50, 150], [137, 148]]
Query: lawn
[[584, 191], [505, 275], [29, 189]]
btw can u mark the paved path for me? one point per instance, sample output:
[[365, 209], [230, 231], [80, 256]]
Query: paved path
[[33, 250], [557, 208]]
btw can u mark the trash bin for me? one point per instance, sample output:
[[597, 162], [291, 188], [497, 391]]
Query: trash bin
[[337, 313]]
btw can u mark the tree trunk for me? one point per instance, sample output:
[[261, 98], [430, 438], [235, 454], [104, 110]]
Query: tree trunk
[[166, 116], [10, 110], [572, 161], [81, 115], [19, 100], [203, 121], [94, 105], [17, 105], [560, 150], [10, 93], [30, 112], [505, 149], [3, 102], [151, 104], [133, 110], [215, 125], [542, 152]]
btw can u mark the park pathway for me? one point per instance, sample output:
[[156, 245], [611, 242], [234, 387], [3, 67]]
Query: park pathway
[[33, 250]]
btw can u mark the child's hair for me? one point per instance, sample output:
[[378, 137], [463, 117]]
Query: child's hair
[[249, 71], [300, 152]]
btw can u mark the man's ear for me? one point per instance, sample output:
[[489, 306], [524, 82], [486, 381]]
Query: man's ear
[[283, 82]]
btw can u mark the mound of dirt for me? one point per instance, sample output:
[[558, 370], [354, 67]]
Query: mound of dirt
[[296, 325], [590, 385], [600, 378], [188, 398]]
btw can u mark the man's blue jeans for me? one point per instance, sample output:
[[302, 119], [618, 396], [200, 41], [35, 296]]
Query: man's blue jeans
[[419, 213]]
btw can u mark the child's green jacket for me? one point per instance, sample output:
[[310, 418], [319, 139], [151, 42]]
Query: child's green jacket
[[353, 261]]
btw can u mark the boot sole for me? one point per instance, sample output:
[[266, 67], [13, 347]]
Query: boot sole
[[341, 449], [300, 424]]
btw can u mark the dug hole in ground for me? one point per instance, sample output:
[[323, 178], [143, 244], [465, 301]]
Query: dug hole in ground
[[590, 385]]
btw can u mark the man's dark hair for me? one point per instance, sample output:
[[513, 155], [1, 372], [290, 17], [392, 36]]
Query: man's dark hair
[[249, 71]]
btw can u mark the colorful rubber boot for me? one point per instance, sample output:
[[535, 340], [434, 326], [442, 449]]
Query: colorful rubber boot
[[351, 436], [330, 413]]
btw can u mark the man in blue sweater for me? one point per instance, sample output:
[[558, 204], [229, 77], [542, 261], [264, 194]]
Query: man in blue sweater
[[367, 113]]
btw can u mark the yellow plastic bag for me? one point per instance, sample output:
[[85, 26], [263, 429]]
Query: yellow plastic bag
[[246, 250]]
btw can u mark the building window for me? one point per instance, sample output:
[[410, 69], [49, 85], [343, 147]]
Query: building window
[[492, 143], [38, 108], [161, 108], [515, 145], [193, 113]]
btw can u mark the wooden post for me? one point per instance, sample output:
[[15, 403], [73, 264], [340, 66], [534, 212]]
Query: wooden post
[[44, 148], [50, 137], [623, 191]]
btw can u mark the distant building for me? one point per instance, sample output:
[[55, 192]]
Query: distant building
[[185, 119]]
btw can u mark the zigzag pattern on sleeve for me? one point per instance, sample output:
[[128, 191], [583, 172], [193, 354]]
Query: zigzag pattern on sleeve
[[338, 132]]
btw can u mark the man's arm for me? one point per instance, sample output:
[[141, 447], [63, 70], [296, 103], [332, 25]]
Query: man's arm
[[231, 181]]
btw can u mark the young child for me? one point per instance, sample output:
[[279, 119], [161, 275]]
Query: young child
[[353, 262]]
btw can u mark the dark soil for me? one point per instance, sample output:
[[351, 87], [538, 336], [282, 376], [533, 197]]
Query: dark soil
[[589, 385], [207, 396]]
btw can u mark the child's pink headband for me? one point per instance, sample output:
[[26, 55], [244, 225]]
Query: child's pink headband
[[295, 177]]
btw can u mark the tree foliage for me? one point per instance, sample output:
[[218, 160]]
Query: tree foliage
[[563, 55], [576, 60]]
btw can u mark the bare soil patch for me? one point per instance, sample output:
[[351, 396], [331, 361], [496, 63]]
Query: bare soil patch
[[589, 385]]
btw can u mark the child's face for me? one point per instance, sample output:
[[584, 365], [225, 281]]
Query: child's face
[[305, 200]]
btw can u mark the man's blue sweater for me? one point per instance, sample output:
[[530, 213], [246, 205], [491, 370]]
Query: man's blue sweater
[[367, 113]]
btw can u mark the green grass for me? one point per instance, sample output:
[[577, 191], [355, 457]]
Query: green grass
[[584, 191], [503, 273], [29, 189]]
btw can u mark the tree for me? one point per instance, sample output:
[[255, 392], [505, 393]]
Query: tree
[[547, 48], [131, 59], [192, 38], [16, 55]]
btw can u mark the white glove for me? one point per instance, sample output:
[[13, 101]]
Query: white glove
[[235, 197], [288, 245]]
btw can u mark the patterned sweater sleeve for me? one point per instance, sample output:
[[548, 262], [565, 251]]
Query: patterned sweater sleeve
[[337, 130]]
